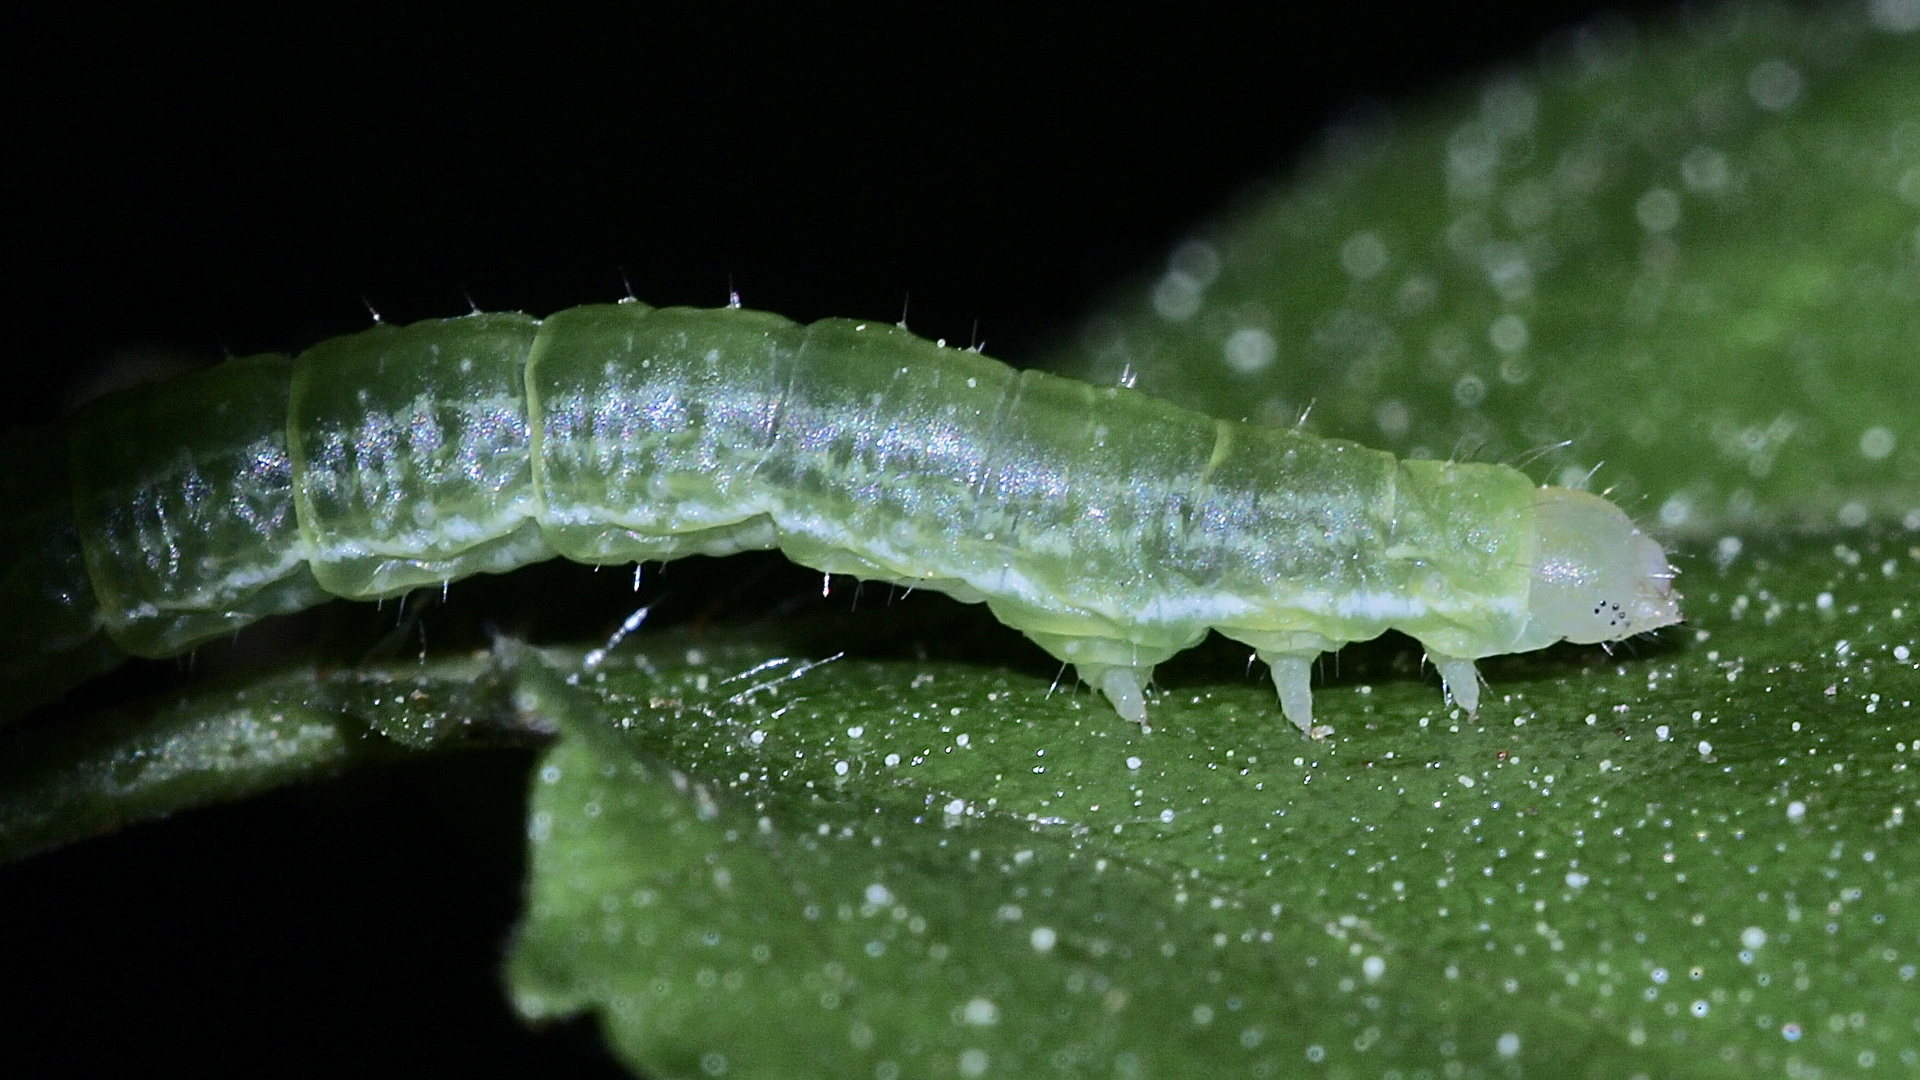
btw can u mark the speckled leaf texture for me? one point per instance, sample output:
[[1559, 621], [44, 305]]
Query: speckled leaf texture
[[1692, 251], [1686, 864]]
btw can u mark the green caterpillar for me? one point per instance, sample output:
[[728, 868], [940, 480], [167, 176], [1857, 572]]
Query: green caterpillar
[[1112, 528]]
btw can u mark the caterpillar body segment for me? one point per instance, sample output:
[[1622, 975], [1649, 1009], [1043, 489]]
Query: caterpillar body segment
[[1110, 527]]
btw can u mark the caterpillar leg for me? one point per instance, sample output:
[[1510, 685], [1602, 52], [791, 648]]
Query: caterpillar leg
[[1461, 680], [1124, 687], [1290, 655], [1293, 677], [1120, 670]]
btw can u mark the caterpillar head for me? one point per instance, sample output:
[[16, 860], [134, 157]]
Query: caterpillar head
[[1596, 577]]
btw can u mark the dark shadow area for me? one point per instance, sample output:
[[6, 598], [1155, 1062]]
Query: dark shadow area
[[187, 188], [352, 927]]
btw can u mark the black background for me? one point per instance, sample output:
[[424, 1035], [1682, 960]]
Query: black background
[[182, 188]]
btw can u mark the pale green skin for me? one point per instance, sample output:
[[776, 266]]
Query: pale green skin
[[1110, 527]]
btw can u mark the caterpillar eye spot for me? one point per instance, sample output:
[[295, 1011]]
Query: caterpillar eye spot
[[1112, 529]]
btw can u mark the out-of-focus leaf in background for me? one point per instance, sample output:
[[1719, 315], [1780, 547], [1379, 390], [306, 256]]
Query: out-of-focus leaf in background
[[68, 781], [1691, 252]]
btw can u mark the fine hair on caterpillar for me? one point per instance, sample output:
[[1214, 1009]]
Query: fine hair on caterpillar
[[1110, 527]]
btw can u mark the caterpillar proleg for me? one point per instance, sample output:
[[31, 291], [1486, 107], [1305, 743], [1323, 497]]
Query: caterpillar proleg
[[1112, 528]]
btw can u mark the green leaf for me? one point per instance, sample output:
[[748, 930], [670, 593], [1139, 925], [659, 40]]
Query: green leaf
[[1683, 864]]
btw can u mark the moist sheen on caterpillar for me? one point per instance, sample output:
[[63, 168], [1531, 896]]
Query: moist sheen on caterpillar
[[1110, 527]]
